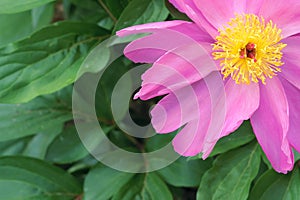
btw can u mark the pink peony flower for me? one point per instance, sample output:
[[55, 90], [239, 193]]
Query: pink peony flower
[[255, 48]]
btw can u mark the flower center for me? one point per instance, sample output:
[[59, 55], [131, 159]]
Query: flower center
[[249, 49]]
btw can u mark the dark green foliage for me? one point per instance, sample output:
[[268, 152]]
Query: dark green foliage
[[43, 44]]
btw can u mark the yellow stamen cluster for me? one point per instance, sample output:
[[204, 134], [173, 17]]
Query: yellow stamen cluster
[[249, 49]]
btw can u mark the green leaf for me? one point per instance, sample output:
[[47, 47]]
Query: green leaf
[[26, 22], [45, 62], [106, 86], [8, 6], [265, 159], [297, 155], [273, 185], [87, 11], [293, 191], [87, 4], [41, 114], [86, 163], [146, 187], [13, 147], [35, 146], [122, 140], [27, 178], [231, 175], [103, 182], [67, 147], [9, 33], [42, 16], [159, 141], [141, 12], [243, 135], [116, 6], [184, 173], [38, 145], [105, 54]]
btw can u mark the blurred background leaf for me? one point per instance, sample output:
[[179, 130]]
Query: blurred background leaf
[[43, 43], [8, 6]]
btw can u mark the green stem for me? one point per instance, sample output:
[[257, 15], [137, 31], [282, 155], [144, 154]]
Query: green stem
[[135, 142], [108, 11]]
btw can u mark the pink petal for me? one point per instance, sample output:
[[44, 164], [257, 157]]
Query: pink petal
[[190, 9], [252, 6], [285, 14], [175, 109], [176, 5], [176, 69], [185, 104], [204, 125], [148, 49], [219, 12], [293, 97], [189, 141], [241, 102], [270, 124], [149, 28], [291, 58]]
